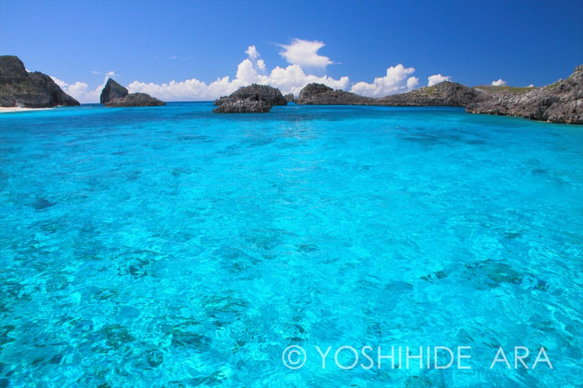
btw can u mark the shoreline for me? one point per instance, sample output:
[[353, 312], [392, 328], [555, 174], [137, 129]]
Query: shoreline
[[16, 110]]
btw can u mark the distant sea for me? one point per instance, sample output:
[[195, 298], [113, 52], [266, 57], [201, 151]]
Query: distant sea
[[174, 247]]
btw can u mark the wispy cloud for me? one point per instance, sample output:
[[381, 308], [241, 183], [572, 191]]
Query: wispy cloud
[[500, 82]]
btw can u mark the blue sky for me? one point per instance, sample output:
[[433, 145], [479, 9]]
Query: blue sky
[[347, 44]]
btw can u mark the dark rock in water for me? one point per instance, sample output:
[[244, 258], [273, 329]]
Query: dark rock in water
[[289, 97], [111, 91], [561, 102], [19, 88], [250, 99], [491, 274], [115, 95], [42, 203], [319, 94], [155, 358], [443, 94]]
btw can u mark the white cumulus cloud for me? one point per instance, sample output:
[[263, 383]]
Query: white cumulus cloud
[[253, 69], [437, 78], [290, 79], [305, 53], [252, 52], [500, 82], [412, 83], [396, 80]]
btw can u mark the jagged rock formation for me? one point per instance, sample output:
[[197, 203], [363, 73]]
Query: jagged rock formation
[[115, 95], [112, 90], [289, 97], [250, 99], [265, 93], [19, 88], [319, 94], [561, 102], [443, 94]]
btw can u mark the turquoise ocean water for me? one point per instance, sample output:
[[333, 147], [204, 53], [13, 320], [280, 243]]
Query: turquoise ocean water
[[173, 247]]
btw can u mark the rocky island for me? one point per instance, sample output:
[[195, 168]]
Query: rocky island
[[115, 95], [560, 102], [443, 94], [319, 94], [250, 99], [21, 89]]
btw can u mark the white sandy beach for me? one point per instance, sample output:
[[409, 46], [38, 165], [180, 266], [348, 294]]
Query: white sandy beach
[[16, 109]]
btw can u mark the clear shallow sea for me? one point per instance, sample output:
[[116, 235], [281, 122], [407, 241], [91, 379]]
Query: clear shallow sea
[[174, 247]]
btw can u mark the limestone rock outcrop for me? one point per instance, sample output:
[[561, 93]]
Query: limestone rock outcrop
[[115, 95], [250, 99], [560, 102], [19, 88], [111, 91]]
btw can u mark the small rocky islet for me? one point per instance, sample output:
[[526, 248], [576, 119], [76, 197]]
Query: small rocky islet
[[115, 95], [251, 99], [560, 102]]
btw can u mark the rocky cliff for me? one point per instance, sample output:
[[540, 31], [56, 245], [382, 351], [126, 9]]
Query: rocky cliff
[[19, 88], [115, 95], [250, 99], [561, 102]]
